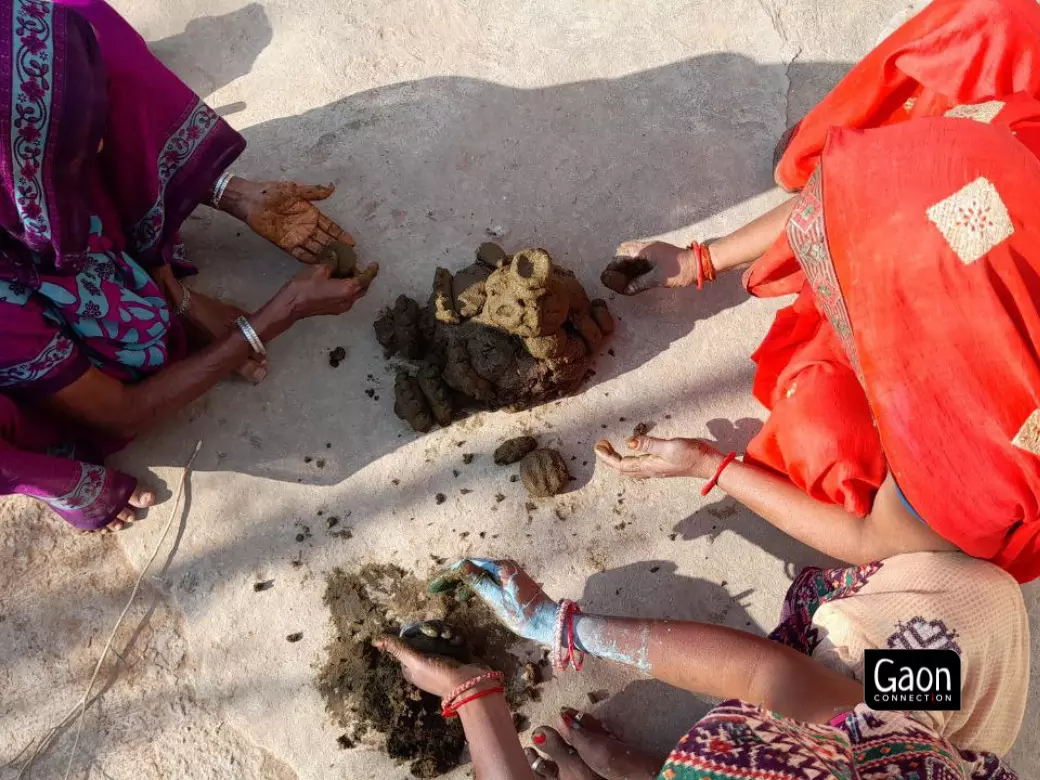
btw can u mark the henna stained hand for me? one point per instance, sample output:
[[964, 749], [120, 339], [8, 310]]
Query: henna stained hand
[[284, 213]]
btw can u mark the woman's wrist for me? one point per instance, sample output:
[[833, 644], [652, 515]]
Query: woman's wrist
[[482, 697], [688, 262], [541, 627], [237, 197], [469, 689], [273, 318], [708, 465], [470, 684]]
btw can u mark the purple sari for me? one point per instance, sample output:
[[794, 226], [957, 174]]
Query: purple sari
[[82, 228]]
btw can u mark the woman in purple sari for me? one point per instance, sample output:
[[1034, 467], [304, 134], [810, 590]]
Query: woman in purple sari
[[103, 156]]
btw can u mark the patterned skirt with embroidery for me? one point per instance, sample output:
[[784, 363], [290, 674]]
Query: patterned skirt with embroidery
[[738, 741]]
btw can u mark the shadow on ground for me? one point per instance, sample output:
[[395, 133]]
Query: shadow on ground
[[213, 51], [653, 589], [424, 170]]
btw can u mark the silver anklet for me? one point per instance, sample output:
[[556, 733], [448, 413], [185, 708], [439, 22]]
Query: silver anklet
[[185, 304]]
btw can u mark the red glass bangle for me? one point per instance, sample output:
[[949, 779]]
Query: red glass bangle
[[452, 711], [709, 266], [705, 268], [718, 473], [472, 683]]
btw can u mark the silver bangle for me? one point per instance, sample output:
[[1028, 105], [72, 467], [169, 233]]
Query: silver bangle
[[219, 187], [182, 307], [251, 337]]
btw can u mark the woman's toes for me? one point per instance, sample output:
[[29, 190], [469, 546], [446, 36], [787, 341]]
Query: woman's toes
[[583, 720], [541, 766], [142, 498], [568, 762], [606, 755], [125, 519]]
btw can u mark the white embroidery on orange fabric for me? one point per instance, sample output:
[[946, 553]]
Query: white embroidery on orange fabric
[[911, 102], [1028, 436], [973, 220], [980, 112]]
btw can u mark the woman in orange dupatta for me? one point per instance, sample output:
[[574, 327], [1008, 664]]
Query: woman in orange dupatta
[[904, 380]]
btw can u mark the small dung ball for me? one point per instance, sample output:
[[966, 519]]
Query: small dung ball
[[514, 449], [544, 473]]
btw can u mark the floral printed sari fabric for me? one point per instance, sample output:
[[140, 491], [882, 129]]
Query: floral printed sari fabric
[[739, 741], [105, 153]]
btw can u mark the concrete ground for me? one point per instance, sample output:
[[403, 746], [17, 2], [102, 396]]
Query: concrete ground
[[564, 124]]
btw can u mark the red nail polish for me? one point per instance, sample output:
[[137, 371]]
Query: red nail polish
[[538, 739], [567, 717]]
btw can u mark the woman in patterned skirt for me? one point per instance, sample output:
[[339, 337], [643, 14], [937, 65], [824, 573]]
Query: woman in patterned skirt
[[793, 703], [104, 155], [904, 381]]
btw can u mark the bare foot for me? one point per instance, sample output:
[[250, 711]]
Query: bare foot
[[210, 319], [563, 761], [142, 498], [584, 749]]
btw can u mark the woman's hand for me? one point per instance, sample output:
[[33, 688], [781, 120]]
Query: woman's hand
[[209, 319], [284, 213], [661, 458], [313, 292], [488, 724], [641, 265], [436, 674], [516, 599]]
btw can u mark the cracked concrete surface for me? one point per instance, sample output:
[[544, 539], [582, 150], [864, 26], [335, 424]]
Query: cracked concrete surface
[[562, 124]]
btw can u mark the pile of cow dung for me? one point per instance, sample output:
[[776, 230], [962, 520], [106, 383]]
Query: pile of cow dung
[[503, 333], [364, 689]]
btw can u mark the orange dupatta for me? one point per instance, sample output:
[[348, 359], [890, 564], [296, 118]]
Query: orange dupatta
[[938, 261], [929, 229]]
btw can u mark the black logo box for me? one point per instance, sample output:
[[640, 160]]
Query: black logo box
[[921, 680]]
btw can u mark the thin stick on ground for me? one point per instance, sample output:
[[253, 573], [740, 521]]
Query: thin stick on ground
[[78, 711]]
